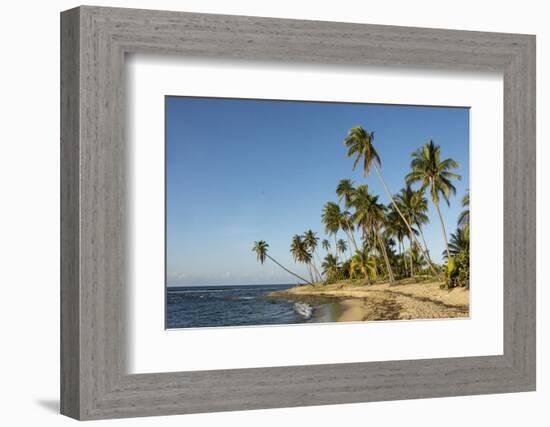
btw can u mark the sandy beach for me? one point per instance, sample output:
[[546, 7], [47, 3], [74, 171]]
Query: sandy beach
[[405, 300]]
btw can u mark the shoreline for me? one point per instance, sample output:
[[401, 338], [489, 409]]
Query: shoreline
[[406, 300]]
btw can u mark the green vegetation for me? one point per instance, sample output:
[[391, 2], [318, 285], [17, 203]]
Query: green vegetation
[[261, 247], [388, 248]]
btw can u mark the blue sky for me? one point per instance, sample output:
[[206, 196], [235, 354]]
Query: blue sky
[[246, 170]]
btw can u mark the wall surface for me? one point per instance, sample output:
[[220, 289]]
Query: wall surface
[[29, 224]]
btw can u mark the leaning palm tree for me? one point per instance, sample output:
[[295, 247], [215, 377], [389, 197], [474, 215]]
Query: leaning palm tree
[[326, 245], [261, 248], [342, 246], [435, 174], [311, 241], [300, 252], [464, 218], [331, 267], [331, 218], [360, 145]]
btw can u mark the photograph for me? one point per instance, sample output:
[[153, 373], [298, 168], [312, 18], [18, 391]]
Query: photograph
[[289, 212]]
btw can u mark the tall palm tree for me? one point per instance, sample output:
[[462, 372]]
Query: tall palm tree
[[346, 224], [362, 203], [331, 217], [261, 248], [419, 209], [435, 174], [414, 205], [345, 190], [331, 267], [300, 252], [394, 227], [464, 218], [311, 240], [369, 215], [360, 145], [326, 245], [342, 246], [378, 213]]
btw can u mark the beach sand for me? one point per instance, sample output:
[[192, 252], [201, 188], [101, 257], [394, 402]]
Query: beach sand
[[383, 302]]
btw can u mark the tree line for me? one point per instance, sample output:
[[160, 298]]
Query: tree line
[[391, 244]]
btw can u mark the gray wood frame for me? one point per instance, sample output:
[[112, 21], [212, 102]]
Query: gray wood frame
[[94, 382]]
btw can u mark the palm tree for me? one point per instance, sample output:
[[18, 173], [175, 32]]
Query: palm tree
[[395, 227], [464, 218], [364, 263], [362, 203], [458, 263], [261, 248], [342, 246], [300, 252], [346, 224], [331, 218], [416, 258], [460, 242], [345, 190], [419, 208], [331, 267], [326, 245], [360, 145], [414, 205], [369, 214], [311, 240], [428, 169]]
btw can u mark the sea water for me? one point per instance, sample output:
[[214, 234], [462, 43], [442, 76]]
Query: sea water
[[239, 305]]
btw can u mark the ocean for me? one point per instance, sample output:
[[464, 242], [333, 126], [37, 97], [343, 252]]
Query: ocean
[[239, 305]]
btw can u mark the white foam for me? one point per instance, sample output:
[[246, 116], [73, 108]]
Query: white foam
[[303, 309]]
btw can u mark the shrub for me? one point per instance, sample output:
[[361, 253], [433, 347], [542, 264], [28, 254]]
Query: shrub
[[458, 270]]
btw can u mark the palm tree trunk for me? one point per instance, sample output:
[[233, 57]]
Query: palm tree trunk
[[411, 256], [401, 215], [372, 246], [350, 242], [336, 247], [308, 265], [424, 241], [351, 234], [444, 232], [319, 278], [319, 261], [404, 255], [386, 259], [399, 244], [287, 270]]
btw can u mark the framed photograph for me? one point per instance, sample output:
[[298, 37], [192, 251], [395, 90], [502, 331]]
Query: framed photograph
[[261, 213]]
